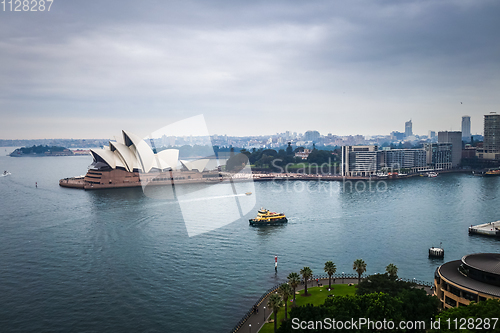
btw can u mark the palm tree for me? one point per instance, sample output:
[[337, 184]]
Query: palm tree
[[275, 302], [330, 269], [285, 291], [293, 280], [360, 267], [306, 273], [392, 270]]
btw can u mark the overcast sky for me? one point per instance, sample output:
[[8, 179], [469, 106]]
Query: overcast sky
[[88, 69]]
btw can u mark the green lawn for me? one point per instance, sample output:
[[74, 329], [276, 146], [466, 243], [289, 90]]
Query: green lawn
[[318, 296]]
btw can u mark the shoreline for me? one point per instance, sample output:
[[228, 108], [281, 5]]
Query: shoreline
[[82, 183]]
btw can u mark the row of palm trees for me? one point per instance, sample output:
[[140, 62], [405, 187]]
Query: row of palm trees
[[286, 290]]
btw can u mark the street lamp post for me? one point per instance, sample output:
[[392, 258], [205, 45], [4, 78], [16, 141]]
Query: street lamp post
[[264, 314], [342, 277], [250, 328]]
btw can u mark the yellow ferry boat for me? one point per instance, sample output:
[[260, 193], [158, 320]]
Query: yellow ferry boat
[[265, 217], [492, 173]]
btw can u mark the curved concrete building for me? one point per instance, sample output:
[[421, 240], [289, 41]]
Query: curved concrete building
[[476, 277]]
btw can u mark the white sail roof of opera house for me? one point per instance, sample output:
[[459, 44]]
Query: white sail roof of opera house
[[195, 165], [134, 154]]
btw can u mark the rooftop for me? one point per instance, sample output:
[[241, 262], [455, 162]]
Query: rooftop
[[486, 262], [450, 272]]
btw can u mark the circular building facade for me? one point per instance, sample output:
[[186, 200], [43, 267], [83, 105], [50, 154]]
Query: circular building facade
[[476, 277]]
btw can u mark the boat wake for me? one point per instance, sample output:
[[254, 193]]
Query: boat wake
[[214, 197], [5, 174]]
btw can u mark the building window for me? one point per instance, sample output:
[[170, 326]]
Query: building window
[[450, 301], [469, 296], [455, 291]]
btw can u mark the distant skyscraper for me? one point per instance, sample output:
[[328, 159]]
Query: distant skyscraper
[[466, 128], [491, 133], [455, 138], [432, 134], [408, 129]]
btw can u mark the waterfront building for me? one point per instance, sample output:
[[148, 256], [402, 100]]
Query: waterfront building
[[474, 278], [131, 162], [368, 160], [408, 129], [491, 143], [455, 138], [438, 155], [469, 152], [360, 161], [396, 159], [466, 128]]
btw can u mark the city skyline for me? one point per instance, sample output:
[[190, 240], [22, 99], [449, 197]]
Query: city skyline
[[88, 70]]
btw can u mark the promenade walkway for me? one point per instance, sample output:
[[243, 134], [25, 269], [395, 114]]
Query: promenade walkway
[[256, 320]]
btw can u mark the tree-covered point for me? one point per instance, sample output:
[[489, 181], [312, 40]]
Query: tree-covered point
[[40, 149], [278, 160]]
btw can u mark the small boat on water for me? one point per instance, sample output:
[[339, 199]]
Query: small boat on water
[[248, 193], [432, 174], [5, 173], [491, 173], [265, 217], [487, 173]]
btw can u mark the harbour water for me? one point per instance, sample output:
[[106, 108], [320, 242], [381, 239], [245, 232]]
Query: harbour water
[[118, 260]]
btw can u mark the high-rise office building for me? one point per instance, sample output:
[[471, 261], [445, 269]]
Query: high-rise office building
[[438, 155], [360, 160], [492, 133], [491, 142], [408, 129], [466, 128], [455, 138]]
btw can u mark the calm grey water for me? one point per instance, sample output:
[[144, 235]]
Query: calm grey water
[[117, 260]]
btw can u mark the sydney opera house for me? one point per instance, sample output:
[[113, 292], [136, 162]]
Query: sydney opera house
[[132, 162]]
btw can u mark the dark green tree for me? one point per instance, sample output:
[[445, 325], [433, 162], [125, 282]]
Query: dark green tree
[[285, 291], [360, 267], [384, 283], [330, 269], [275, 302], [306, 273], [392, 270], [294, 281], [236, 163], [485, 310], [289, 149]]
